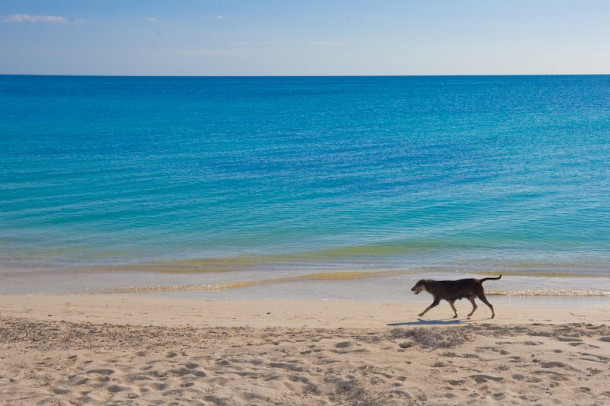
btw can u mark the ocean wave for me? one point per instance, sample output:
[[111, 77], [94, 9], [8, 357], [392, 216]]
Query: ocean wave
[[333, 260], [544, 274], [549, 292], [325, 276], [342, 276]]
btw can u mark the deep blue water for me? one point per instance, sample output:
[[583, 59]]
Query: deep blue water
[[305, 173]]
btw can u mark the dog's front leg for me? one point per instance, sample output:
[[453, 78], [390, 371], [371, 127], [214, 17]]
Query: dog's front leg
[[434, 304]]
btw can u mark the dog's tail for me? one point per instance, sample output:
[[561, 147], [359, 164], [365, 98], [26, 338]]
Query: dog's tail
[[490, 279]]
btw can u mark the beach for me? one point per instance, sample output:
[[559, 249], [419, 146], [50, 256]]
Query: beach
[[253, 240], [129, 349]]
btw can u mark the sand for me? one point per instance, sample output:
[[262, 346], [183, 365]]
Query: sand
[[144, 350]]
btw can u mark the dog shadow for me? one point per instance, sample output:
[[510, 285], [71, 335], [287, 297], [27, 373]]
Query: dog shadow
[[421, 322]]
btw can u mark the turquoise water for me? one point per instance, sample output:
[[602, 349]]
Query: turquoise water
[[142, 181]]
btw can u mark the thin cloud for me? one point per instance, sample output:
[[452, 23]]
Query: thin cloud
[[205, 52], [28, 18], [153, 20], [256, 43], [326, 43]]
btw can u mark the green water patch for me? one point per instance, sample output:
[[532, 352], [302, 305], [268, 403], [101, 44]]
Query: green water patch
[[323, 276]]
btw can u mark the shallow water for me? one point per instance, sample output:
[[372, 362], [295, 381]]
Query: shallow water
[[124, 182]]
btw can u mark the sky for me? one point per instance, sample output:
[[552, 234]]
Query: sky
[[313, 37]]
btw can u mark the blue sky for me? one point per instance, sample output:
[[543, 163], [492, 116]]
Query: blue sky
[[314, 37]]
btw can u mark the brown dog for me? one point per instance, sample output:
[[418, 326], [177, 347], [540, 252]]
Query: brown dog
[[454, 290]]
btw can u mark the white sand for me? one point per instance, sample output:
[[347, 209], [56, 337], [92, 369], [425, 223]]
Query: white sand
[[144, 350]]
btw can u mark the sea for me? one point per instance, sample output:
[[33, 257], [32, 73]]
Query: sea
[[326, 188]]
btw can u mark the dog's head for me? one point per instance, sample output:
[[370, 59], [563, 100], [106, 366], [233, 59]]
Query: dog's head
[[419, 286]]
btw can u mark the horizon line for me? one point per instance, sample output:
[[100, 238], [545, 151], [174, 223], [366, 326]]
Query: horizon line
[[305, 76]]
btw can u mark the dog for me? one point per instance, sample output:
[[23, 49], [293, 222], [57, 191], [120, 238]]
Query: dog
[[454, 290]]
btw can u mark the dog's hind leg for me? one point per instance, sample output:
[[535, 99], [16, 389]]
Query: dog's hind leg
[[451, 303], [474, 305], [481, 296], [434, 304]]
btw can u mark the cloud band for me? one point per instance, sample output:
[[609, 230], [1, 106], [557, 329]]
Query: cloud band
[[28, 18]]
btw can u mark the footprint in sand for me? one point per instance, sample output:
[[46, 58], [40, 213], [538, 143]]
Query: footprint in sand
[[486, 378], [159, 374], [177, 393], [556, 364], [288, 366], [189, 371], [116, 388], [61, 391], [296, 378], [533, 343], [215, 400], [343, 344], [569, 339], [138, 377], [542, 334], [594, 358], [160, 386], [342, 347], [555, 376], [101, 371], [499, 395], [78, 380]]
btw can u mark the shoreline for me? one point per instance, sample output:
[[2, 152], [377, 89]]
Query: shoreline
[[347, 285], [261, 313]]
